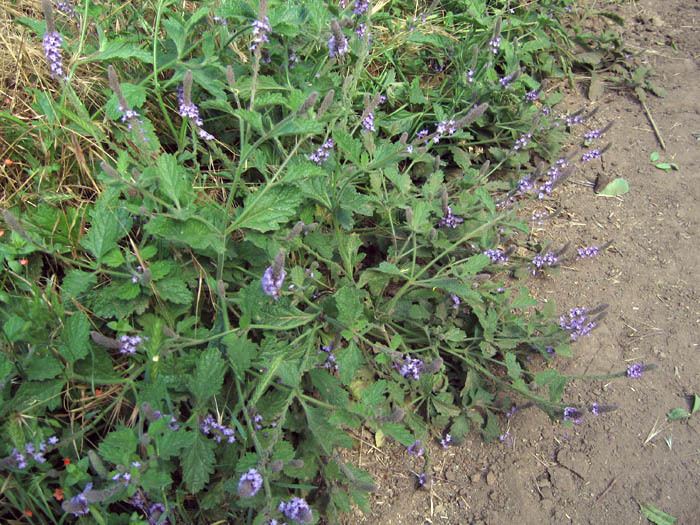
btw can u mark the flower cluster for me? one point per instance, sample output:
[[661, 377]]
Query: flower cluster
[[66, 8], [522, 142], [449, 220], [139, 269], [553, 175], [445, 127], [52, 49], [525, 184], [506, 81], [572, 414], [128, 344], [209, 426], [572, 120], [495, 44], [272, 281], [456, 301], [446, 441], [368, 121], [123, 477], [360, 7], [322, 153], [593, 134], [296, 509], [361, 30], [411, 368], [250, 483], [590, 155], [337, 42], [331, 363], [531, 96], [578, 323], [635, 370], [153, 511], [496, 255], [544, 260], [470, 76], [415, 449], [587, 252], [595, 409], [78, 505], [189, 110], [261, 32]]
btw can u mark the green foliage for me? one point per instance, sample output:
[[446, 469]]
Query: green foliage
[[229, 375]]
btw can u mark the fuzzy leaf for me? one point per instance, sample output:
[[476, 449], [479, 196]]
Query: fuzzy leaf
[[208, 376], [119, 446], [615, 188], [267, 211], [197, 462], [75, 338]]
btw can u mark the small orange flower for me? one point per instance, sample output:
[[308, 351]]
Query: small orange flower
[[58, 494], [98, 392], [2, 232], [66, 461], [8, 162], [28, 513], [24, 262]]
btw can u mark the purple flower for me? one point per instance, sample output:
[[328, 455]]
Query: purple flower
[[52, 49], [53, 440], [18, 458], [360, 7], [209, 426], [505, 437], [470, 75], [411, 368], [572, 414], [66, 8], [249, 484], [272, 281], [337, 43], [154, 513], [361, 30], [550, 350], [129, 344], [261, 33], [635, 370], [446, 441], [456, 301], [522, 142], [505, 81], [449, 220], [590, 155], [330, 363], [322, 153], [415, 449], [78, 505], [531, 96], [543, 260], [572, 120], [446, 127], [587, 252], [296, 509], [577, 323], [525, 184], [409, 149], [421, 479], [497, 256], [368, 121], [422, 134], [124, 477], [189, 110], [595, 409], [495, 44], [593, 134]]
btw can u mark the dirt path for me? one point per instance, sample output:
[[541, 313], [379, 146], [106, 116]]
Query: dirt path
[[601, 471]]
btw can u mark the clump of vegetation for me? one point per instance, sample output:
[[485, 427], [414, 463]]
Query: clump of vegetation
[[286, 221]]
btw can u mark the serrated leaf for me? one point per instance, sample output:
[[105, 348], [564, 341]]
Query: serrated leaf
[[349, 361], [76, 283], [134, 94], [44, 367], [267, 211], [240, 352], [175, 290], [554, 380], [75, 337], [657, 516], [208, 375], [173, 181], [119, 446], [197, 462], [172, 442], [415, 94], [350, 308], [108, 224], [398, 432], [615, 188], [513, 367], [109, 50]]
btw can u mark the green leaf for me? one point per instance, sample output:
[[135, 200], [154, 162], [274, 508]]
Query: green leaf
[[657, 516], [326, 435], [75, 338], [350, 309], [677, 413], [617, 187], [134, 94], [349, 361], [398, 432], [172, 442], [175, 290], [696, 404], [109, 50], [654, 157], [266, 211], [119, 446], [208, 375], [108, 223], [415, 94], [667, 166], [173, 181], [554, 380], [240, 352], [514, 368], [197, 462], [76, 283], [44, 367]]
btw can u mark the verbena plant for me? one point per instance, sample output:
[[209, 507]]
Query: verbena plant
[[304, 225]]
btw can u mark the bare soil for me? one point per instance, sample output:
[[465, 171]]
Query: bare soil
[[600, 472]]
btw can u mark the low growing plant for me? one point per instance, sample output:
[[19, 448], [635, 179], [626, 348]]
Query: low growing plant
[[305, 224]]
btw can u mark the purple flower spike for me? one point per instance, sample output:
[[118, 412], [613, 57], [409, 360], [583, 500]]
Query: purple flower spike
[[129, 344], [78, 505], [360, 7], [635, 371], [495, 45], [322, 153], [415, 449], [496, 256], [368, 122], [52, 49], [544, 260], [337, 42], [577, 323], [296, 509], [587, 252], [261, 33], [595, 409], [593, 134], [446, 441], [572, 414], [250, 483], [411, 368], [531, 96], [590, 155], [449, 220], [522, 142]]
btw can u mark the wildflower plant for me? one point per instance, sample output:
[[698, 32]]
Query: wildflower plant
[[256, 275]]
